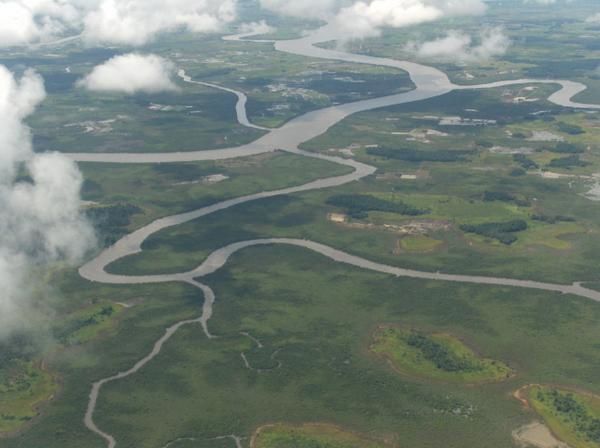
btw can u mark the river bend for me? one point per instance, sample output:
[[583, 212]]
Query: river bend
[[429, 83]]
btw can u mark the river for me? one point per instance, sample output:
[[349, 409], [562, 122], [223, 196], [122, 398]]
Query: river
[[429, 83]]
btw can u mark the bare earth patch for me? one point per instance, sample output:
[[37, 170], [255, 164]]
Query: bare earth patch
[[415, 227], [536, 435]]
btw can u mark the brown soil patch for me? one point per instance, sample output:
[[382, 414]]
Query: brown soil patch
[[536, 435]]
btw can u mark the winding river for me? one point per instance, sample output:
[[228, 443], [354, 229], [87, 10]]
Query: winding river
[[429, 83]]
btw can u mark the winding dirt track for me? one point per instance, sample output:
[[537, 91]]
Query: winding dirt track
[[429, 82]]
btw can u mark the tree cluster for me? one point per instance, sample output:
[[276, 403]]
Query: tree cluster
[[440, 355], [501, 231], [111, 221], [358, 205], [569, 407], [525, 162]]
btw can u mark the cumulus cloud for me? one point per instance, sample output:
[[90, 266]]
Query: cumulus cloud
[[128, 22], [457, 45], [365, 19], [131, 73], [135, 22], [28, 21], [41, 220]]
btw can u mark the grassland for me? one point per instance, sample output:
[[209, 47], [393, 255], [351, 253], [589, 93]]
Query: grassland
[[279, 87], [310, 435], [454, 193], [574, 416], [315, 318], [419, 244], [79, 362], [284, 297], [89, 323], [90, 122], [453, 196], [435, 356], [162, 190], [24, 387]]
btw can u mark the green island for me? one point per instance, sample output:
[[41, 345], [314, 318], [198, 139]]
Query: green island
[[573, 416], [311, 436], [435, 356], [88, 323], [24, 387]]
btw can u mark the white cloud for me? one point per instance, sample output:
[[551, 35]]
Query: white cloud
[[127, 22], [131, 73], [594, 19], [135, 22], [256, 28], [27, 21], [457, 45], [365, 18], [40, 220], [309, 9]]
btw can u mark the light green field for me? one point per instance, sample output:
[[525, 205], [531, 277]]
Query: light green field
[[435, 356], [310, 436], [24, 387], [419, 243], [87, 324], [574, 416]]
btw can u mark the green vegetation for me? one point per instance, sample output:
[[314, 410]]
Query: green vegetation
[[490, 196], [111, 221], [310, 436], [24, 387], [569, 128], [411, 155], [322, 333], [419, 243], [166, 189], [567, 162], [504, 196], [501, 231], [572, 415], [450, 196], [567, 148], [435, 356], [313, 316], [525, 162], [357, 206], [552, 219], [85, 325]]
